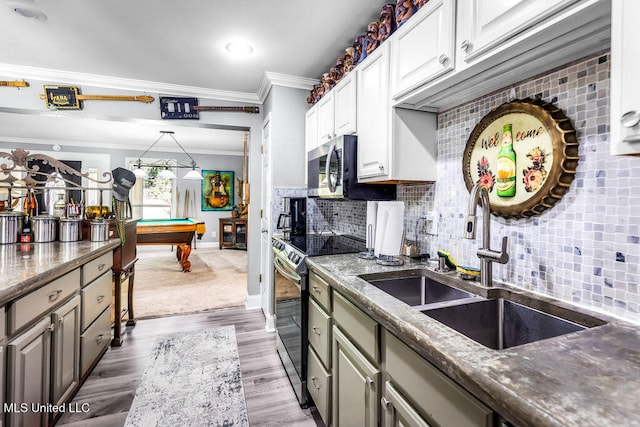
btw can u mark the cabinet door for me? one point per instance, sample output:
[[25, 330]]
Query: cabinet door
[[625, 93], [345, 117], [374, 115], [66, 349], [423, 48], [311, 128], [485, 24], [397, 412], [356, 385], [29, 359], [326, 128]]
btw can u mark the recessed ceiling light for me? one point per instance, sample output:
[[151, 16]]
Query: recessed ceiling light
[[239, 48]]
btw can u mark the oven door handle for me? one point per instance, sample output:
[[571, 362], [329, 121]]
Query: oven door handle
[[286, 272]]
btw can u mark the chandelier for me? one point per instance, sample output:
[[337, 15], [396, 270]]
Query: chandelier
[[166, 173]]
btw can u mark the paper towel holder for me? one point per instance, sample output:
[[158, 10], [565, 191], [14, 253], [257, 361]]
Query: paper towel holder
[[369, 253], [392, 260]]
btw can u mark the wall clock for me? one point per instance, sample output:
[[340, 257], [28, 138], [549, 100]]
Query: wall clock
[[526, 153]]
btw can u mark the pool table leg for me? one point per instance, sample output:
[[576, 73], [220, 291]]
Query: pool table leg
[[182, 253]]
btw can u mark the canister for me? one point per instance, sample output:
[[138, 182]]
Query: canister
[[10, 227], [70, 229], [99, 230], [45, 228]]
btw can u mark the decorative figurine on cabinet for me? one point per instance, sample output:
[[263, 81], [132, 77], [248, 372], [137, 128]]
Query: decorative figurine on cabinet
[[349, 62], [357, 46], [404, 10], [387, 22], [419, 3], [371, 38]]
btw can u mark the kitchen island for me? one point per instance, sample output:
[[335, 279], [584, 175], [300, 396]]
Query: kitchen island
[[55, 324], [588, 378]]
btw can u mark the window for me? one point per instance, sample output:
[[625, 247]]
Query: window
[[152, 198]]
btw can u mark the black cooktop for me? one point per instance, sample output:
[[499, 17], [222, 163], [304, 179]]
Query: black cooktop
[[328, 244]]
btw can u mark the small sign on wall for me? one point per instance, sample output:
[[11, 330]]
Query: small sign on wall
[[178, 108]]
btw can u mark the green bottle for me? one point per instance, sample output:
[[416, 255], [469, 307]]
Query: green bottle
[[506, 185]]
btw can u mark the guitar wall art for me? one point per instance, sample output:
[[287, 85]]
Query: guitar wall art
[[217, 190]]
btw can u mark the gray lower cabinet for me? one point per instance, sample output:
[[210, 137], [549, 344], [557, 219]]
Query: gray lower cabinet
[[356, 385], [28, 375], [65, 366], [416, 391], [397, 411]]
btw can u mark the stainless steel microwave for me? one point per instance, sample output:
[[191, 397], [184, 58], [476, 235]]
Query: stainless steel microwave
[[333, 173]]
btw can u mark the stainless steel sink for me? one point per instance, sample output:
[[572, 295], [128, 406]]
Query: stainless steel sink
[[500, 324], [416, 290]]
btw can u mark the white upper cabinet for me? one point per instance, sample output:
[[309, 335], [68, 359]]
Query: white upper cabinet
[[345, 93], [625, 92], [311, 128], [496, 43], [423, 48], [326, 123], [373, 114], [484, 24], [394, 144]]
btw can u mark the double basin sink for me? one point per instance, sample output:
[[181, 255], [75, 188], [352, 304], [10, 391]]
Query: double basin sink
[[496, 323]]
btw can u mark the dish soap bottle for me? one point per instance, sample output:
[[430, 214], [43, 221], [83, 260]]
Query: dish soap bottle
[[506, 185]]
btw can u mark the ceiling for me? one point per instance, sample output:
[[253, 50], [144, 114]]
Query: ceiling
[[173, 47]]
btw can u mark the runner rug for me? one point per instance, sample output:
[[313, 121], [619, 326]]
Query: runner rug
[[191, 379]]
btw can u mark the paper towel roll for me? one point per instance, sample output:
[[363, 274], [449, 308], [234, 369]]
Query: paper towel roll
[[389, 228], [372, 214]]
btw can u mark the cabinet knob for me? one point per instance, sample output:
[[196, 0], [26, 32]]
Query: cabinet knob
[[101, 267], [630, 119], [317, 289], [316, 330], [385, 402], [442, 59], [54, 295], [465, 46], [61, 321], [315, 383], [381, 167], [370, 382], [52, 327], [100, 298]]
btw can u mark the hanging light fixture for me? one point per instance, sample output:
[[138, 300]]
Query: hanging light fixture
[[167, 173]]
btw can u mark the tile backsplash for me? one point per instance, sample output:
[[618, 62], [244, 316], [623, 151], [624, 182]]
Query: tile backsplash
[[586, 249]]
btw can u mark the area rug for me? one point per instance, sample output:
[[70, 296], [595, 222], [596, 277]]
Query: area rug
[[218, 279], [191, 379]]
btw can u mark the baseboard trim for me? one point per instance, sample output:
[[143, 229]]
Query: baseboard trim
[[253, 302]]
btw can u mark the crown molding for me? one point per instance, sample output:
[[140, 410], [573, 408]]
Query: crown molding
[[276, 79], [50, 75]]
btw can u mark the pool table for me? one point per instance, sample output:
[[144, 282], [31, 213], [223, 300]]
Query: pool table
[[174, 231]]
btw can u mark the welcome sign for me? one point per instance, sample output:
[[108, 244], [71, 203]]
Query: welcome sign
[[542, 152]]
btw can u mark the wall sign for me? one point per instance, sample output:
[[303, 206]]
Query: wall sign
[[62, 97], [179, 108], [525, 152]]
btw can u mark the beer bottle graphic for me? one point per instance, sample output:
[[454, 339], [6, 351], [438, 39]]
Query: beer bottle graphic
[[506, 185]]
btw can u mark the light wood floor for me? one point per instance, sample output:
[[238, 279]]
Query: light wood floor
[[110, 388]]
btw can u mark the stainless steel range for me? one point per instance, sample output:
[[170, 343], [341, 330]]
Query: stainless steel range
[[292, 298]]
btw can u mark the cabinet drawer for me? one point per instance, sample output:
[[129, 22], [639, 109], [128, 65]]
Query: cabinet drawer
[[94, 340], [319, 386], [95, 268], [360, 328], [320, 291], [29, 307], [434, 395], [320, 332], [95, 298]]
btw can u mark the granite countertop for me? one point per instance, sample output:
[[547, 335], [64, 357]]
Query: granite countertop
[[588, 378], [27, 266]]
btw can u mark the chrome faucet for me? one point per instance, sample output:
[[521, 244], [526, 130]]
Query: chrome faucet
[[479, 193]]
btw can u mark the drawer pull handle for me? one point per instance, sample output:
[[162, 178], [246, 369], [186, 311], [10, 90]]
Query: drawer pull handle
[[385, 402], [315, 383], [317, 289], [465, 46], [369, 382], [52, 327], [99, 338], [100, 298], [442, 59], [316, 330], [61, 321], [101, 267], [630, 119], [54, 295]]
